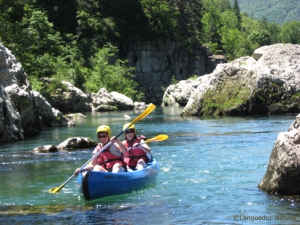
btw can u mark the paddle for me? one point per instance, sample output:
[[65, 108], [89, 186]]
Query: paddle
[[145, 113], [160, 137]]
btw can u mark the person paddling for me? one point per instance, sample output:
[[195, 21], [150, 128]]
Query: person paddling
[[111, 159], [137, 150]]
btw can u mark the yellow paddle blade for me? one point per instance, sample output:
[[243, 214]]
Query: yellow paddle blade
[[146, 112], [160, 137], [57, 189], [54, 190]]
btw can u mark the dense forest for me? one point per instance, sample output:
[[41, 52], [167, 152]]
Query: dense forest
[[278, 11], [76, 40]]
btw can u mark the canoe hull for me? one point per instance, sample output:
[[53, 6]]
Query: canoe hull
[[94, 185]]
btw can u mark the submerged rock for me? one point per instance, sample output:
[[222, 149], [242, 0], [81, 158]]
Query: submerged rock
[[45, 149], [77, 143], [70, 144]]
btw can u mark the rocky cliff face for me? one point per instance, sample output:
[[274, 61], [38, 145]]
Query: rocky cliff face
[[266, 83], [21, 112], [17, 117], [158, 62]]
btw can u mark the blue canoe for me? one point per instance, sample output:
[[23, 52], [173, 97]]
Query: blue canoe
[[95, 184]]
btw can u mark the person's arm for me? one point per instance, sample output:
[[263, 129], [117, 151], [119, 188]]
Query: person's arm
[[91, 165], [119, 145], [143, 146], [88, 167]]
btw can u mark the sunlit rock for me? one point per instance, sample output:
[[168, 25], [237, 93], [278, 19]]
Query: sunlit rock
[[283, 172], [267, 83]]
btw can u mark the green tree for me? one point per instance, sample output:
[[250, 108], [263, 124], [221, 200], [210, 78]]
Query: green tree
[[236, 9], [223, 5], [229, 19], [274, 30], [290, 32], [161, 19], [231, 39], [114, 77], [261, 37], [212, 24], [189, 23], [37, 44]]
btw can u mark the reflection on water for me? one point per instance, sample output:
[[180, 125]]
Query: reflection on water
[[210, 169]]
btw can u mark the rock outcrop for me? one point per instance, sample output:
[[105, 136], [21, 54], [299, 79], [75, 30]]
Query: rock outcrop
[[267, 83], [21, 111], [283, 172]]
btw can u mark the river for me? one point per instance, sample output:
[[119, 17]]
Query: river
[[209, 171]]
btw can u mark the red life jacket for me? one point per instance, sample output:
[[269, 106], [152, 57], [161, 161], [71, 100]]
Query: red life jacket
[[135, 154], [107, 160]]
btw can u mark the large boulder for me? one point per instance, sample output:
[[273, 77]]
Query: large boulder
[[267, 83], [180, 93], [21, 113], [77, 143], [10, 122], [283, 172], [17, 115], [51, 117], [70, 99], [105, 101]]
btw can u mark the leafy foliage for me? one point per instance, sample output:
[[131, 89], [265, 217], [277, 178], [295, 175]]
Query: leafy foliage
[[290, 32], [75, 40], [261, 37], [114, 77]]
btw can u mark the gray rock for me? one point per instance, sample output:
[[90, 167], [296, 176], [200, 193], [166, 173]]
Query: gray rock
[[266, 84], [122, 101], [180, 93], [70, 144], [45, 149], [105, 101], [283, 172], [23, 112], [51, 117], [76, 143], [73, 116], [140, 105], [71, 99]]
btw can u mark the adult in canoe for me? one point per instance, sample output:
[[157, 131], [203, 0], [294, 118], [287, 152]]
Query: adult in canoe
[[111, 159], [136, 157]]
